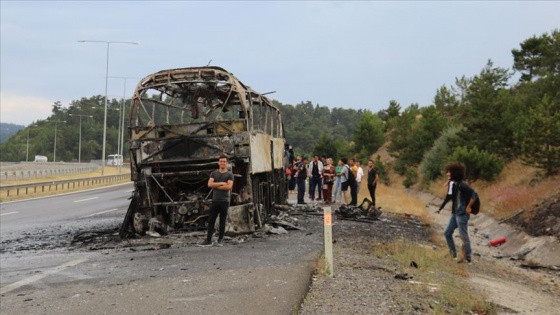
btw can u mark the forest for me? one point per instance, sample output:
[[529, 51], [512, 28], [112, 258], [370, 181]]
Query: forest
[[483, 121]]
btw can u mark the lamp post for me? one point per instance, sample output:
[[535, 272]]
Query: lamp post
[[121, 115], [27, 150], [106, 86], [55, 127], [80, 139]]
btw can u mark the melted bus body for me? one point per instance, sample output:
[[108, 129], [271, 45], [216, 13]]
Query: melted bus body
[[181, 121]]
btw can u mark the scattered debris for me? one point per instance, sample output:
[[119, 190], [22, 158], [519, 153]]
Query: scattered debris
[[365, 211], [403, 276]]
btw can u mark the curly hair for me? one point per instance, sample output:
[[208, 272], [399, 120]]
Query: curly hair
[[457, 171]]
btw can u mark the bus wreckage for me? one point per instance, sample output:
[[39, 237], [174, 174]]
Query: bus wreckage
[[181, 121]]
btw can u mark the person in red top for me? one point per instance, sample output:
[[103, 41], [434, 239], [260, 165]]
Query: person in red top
[[329, 175]]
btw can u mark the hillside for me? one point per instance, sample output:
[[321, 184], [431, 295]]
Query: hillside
[[7, 130]]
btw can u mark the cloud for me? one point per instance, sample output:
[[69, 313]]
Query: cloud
[[23, 110]]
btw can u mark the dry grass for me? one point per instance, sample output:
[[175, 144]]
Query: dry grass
[[108, 171], [518, 187], [435, 269]]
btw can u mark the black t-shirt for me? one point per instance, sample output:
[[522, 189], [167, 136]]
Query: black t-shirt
[[218, 194], [302, 171], [371, 177]]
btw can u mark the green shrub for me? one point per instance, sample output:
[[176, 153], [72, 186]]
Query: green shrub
[[382, 170], [434, 159], [411, 177], [480, 164]]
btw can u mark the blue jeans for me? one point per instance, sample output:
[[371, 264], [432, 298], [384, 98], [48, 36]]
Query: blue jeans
[[461, 222], [337, 190], [315, 182]]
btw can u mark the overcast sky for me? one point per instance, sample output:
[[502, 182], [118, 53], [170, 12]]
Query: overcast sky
[[337, 54]]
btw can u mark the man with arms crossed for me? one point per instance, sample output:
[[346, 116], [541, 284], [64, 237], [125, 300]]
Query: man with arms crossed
[[221, 181]]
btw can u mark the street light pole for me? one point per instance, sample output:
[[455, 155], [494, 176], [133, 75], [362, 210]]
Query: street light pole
[[121, 115], [80, 139], [106, 87]]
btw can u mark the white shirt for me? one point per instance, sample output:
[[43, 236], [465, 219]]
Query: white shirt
[[360, 174]]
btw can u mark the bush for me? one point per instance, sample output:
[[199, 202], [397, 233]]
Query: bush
[[480, 164], [434, 159], [382, 170], [411, 177]]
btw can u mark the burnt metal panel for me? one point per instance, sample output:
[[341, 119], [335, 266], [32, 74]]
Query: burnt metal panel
[[261, 155]]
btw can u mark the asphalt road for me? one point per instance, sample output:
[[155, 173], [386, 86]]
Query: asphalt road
[[41, 273], [21, 216]]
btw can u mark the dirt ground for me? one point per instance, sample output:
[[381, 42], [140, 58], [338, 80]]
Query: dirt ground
[[365, 283], [543, 218]]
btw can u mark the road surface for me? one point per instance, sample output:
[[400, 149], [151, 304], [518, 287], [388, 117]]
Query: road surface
[[42, 270]]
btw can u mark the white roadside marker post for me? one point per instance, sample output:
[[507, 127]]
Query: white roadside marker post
[[329, 267]]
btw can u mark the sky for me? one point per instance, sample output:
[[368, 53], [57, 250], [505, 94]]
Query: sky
[[348, 54]]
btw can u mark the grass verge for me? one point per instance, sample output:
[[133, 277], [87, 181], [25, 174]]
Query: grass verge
[[439, 275]]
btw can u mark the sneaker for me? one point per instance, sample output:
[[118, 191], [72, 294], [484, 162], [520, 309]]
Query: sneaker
[[462, 261], [206, 243], [220, 243]]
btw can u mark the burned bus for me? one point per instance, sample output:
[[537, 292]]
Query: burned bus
[[180, 122]]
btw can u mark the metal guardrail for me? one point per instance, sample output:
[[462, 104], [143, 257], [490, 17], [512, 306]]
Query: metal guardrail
[[37, 173], [25, 189]]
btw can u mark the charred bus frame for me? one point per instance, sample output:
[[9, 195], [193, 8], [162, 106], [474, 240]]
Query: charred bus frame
[[180, 122]]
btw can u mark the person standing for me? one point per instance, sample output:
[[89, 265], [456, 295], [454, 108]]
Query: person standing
[[462, 198], [315, 173], [448, 196], [372, 179], [221, 183], [301, 176], [328, 180], [337, 191], [346, 182], [359, 176], [353, 185]]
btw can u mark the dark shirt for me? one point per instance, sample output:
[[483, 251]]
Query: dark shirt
[[218, 194], [315, 169], [371, 177], [302, 171], [461, 195]]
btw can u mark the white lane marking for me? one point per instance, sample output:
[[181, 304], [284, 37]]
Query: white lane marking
[[21, 283], [13, 212], [82, 200], [91, 215]]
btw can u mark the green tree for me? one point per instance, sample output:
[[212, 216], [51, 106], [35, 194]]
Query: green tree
[[369, 134], [479, 164], [541, 139], [325, 146], [434, 159], [483, 108], [538, 57], [394, 109]]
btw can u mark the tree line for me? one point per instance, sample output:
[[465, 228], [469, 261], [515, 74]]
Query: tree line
[[483, 121]]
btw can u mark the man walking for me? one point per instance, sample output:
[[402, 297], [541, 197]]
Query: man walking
[[462, 198], [221, 182], [372, 179]]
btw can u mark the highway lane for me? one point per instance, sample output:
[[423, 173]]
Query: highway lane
[[142, 276], [25, 215]]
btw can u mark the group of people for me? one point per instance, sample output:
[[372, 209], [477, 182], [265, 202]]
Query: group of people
[[323, 175], [329, 183]]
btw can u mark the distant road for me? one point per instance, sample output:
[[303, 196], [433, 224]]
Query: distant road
[[20, 216]]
